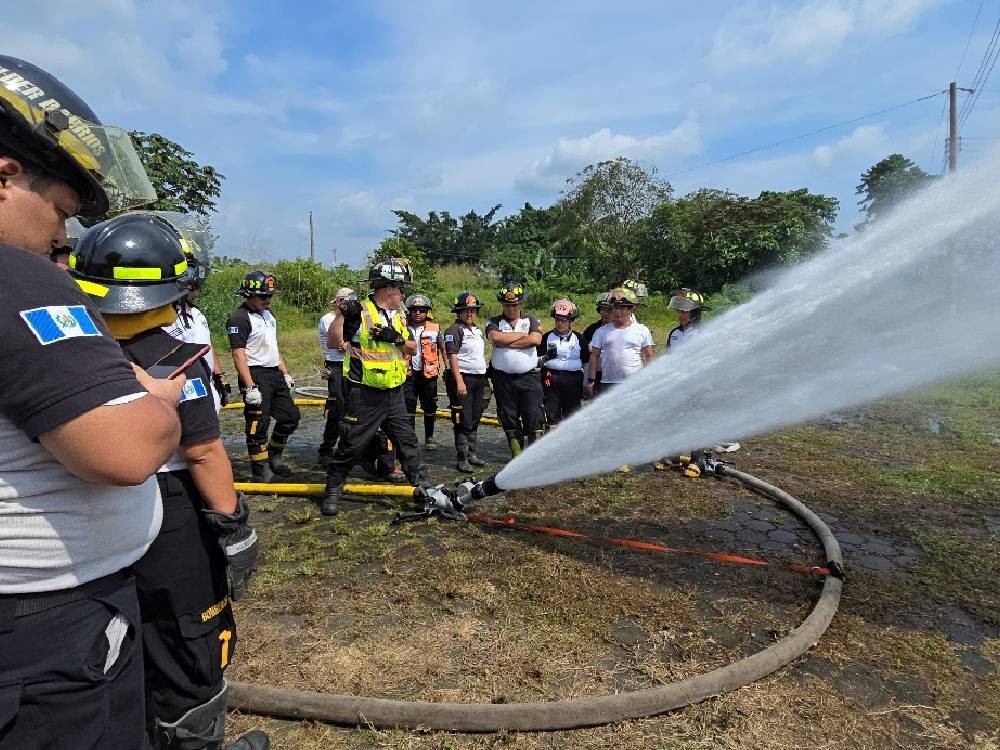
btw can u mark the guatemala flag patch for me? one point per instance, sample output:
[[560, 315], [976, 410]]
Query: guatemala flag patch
[[193, 388], [58, 323]]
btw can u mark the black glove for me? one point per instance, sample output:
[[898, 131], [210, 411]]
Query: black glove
[[388, 334], [351, 309], [222, 387], [239, 544], [551, 352]]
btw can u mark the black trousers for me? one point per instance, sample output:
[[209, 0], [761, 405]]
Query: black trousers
[[365, 411], [419, 388], [54, 691], [334, 406], [277, 403], [466, 412], [189, 634], [562, 393], [519, 401]]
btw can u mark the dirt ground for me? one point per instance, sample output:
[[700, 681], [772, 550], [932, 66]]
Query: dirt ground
[[463, 612]]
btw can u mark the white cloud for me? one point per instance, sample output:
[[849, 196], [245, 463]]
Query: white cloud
[[753, 36], [572, 154], [863, 140]]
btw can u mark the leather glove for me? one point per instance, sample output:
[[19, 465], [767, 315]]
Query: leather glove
[[351, 309], [239, 544], [252, 396], [222, 387], [289, 380], [388, 334]]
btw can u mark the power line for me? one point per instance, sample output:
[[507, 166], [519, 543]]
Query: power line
[[806, 135], [978, 80], [971, 32], [975, 97]]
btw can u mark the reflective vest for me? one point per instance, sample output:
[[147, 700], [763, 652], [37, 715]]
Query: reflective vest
[[377, 364], [428, 350]]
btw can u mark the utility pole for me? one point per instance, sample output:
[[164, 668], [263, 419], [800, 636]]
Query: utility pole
[[952, 127], [312, 240]]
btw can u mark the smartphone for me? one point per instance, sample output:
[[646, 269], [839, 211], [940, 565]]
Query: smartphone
[[177, 360]]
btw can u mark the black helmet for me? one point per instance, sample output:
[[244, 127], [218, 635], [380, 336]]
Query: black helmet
[[513, 292], [466, 301], [197, 241], [130, 264], [390, 271], [45, 124], [258, 283]]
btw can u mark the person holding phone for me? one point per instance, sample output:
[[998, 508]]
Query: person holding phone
[[264, 378], [81, 434], [134, 267]]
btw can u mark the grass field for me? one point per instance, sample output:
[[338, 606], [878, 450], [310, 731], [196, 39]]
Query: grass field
[[460, 612]]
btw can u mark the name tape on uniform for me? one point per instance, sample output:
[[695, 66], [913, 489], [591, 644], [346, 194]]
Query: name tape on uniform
[[59, 322]]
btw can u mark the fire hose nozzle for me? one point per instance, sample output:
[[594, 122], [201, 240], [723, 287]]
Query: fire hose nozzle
[[468, 490]]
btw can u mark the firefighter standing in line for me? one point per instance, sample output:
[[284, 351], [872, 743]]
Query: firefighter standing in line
[[375, 367], [423, 366], [466, 376], [620, 348], [562, 357], [689, 305], [135, 268], [514, 367], [333, 364], [264, 378], [81, 434], [604, 310]]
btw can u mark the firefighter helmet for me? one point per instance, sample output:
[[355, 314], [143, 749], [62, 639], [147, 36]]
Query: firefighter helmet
[[564, 308], [688, 300], [622, 297], [418, 300], [130, 264], [258, 284], [466, 301], [390, 271], [639, 287], [602, 300], [512, 293]]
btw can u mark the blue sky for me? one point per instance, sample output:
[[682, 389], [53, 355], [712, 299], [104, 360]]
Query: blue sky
[[352, 109]]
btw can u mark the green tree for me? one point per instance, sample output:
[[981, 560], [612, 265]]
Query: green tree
[[182, 184], [602, 214], [444, 239], [888, 182]]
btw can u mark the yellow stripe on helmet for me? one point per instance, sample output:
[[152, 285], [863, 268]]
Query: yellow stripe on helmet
[[94, 290], [127, 273]]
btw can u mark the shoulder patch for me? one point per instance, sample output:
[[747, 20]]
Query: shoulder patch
[[59, 322], [194, 388], [448, 338], [234, 329]]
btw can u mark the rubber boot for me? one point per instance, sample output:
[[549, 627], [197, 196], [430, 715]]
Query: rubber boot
[[474, 459], [278, 467], [332, 496], [429, 443], [261, 472], [514, 441], [462, 450]]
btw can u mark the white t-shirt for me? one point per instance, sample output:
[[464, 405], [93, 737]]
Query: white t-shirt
[[257, 334], [507, 359], [468, 344], [679, 335], [323, 328], [621, 350]]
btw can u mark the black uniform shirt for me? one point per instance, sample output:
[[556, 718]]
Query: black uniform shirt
[[199, 421], [58, 361]]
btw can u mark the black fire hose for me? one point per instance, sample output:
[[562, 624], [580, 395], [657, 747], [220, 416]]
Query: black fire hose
[[567, 714]]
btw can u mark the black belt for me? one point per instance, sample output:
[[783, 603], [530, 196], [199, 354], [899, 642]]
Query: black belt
[[333, 363], [33, 603], [262, 367]]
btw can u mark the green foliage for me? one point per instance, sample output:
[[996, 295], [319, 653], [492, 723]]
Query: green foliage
[[444, 239], [424, 275], [181, 183], [888, 182]]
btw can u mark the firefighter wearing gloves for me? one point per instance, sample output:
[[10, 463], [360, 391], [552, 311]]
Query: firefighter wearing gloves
[[466, 350], [191, 325], [514, 365], [264, 379], [81, 434], [423, 366], [333, 366], [562, 356], [135, 268], [375, 370]]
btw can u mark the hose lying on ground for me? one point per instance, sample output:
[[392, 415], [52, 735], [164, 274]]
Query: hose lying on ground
[[566, 714]]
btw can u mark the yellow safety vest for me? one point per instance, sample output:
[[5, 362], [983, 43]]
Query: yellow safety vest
[[377, 364]]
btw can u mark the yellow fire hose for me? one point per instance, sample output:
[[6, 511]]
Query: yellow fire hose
[[278, 488], [441, 414]]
